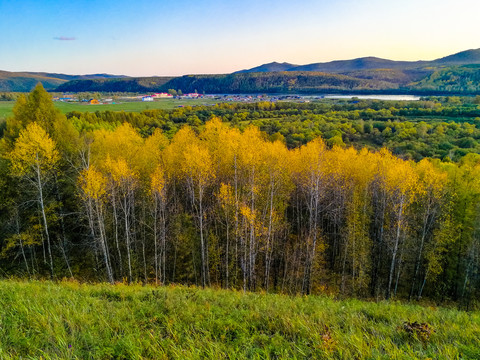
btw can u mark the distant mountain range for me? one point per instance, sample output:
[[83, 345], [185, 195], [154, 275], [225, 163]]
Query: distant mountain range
[[371, 63], [455, 74]]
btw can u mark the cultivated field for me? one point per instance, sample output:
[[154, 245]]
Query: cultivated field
[[68, 320], [6, 106]]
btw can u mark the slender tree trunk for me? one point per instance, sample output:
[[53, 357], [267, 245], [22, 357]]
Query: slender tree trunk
[[17, 227], [62, 246], [236, 219], [314, 198], [269, 239], [144, 240], [44, 217], [419, 257], [252, 240], [127, 236], [395, 248], [399, 270], [163, 235], [115, 222], [227, 263], [202, 240], [379, 244], [103, 242], [345, 253], [420, 292], [155, 239]]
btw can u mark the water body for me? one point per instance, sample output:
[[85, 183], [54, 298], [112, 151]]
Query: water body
[[376, 97]]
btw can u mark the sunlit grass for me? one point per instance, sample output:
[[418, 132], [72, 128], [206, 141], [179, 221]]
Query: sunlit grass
[[78, 321]]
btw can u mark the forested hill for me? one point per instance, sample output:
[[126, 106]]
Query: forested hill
[[276, 82], [116, 84], [272, 82], [459, 79], [447, 80], [26, 81]]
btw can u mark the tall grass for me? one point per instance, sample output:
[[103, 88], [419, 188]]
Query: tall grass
[[69, 320]]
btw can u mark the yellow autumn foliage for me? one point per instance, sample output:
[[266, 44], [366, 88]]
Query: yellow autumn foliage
[[157, 184], [34, 151], [93, 183]]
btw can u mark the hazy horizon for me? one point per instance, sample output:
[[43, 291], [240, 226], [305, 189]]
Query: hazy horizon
[[211, 37]]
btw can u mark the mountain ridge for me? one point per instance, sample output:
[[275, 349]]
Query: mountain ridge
[[456, 73], [372, 62], [269, 67]]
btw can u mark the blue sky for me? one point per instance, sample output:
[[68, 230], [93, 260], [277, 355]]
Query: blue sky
[[143, 38]]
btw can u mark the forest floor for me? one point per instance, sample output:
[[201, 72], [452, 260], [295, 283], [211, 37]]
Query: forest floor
[[70, 320]]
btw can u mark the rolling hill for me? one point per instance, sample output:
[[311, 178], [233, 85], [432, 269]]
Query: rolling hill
[[26, 81]]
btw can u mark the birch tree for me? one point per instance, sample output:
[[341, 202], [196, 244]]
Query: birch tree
[[33, 159]]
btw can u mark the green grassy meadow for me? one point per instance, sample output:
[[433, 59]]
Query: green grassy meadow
[[137, 106], [6, 108], [69, 320]]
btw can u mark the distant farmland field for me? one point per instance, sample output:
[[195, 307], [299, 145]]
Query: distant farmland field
[[6, 106]]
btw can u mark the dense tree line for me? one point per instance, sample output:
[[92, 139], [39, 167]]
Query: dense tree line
[[117, 85], [9, 96], [453, 79], [273, 82], [444, 128], [232, 208]]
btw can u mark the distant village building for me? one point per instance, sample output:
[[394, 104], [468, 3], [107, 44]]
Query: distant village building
[[64, 98], [93, 102], [147, 98], [162, 95]]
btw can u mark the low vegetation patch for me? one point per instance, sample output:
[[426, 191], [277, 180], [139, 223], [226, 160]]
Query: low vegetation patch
[[69, 320]]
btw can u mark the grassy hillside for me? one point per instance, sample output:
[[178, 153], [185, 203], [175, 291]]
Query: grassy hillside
[[74, 321]]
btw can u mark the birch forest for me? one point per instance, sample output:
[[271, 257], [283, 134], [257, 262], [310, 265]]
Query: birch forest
[[220, 206]]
